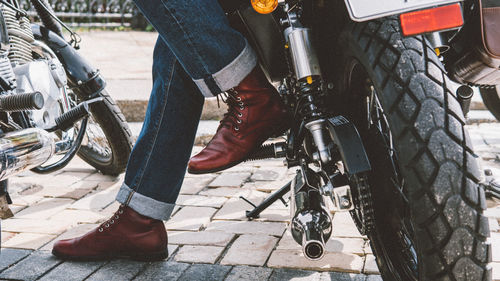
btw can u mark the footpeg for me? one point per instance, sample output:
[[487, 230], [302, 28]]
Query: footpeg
[[20, 102], [69, 118], [273, 150]]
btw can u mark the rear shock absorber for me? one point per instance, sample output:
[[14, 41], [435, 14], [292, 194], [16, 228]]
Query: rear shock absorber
[[308, 73]]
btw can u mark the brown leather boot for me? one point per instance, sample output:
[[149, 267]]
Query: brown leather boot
[[127, 234], [255, 113]]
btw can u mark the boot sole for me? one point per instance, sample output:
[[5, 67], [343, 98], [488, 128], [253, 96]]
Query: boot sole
[[278, 133], [158, 256]]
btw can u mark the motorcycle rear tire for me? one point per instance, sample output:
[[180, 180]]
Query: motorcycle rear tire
[[433, 152], [491, 99], [109, 117]]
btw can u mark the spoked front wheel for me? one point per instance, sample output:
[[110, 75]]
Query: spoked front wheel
[[427, 203]]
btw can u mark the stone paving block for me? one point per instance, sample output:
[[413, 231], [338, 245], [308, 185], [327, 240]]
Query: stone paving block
[[100, 177], [239, 273], [250, 250], [496, 270], [242, 168], [80, 216], [343, 226], [72, 271], [30, 241], [341, 276], [493, 212], [370, 265], [248, 227], [495, 246], [225, 191], [202, 238], [198, 254], [35, 226], [66, 192], [61, 180], [110, 209], [274, 215], [235, 208], [374, 278], [295, 275], [200, 201], [334, 244], [117, 270], [190, 218], [267, 187], [26, 200], [17, 208], [195, 185], [71, 233], [368, 249], [162, 271], [6, 236], [330, 262], [45, 208], [102, 185], [206, 272], [8, 257], [230, 179], [31, 267], [265, 175], [97, 200]]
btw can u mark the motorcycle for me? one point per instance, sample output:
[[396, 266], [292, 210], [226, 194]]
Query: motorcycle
[[377, 128], [53, 103]]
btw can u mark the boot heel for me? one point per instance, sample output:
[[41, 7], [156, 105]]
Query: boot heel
[[159, 256]]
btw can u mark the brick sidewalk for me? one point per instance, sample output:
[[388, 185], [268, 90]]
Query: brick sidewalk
[[208, 234]]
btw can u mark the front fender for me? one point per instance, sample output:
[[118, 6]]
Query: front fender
[[81, 75]]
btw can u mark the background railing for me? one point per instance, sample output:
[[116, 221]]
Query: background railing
[[94, 13]]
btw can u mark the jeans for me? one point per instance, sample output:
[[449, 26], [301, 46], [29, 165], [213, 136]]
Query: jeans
[[197, 54]]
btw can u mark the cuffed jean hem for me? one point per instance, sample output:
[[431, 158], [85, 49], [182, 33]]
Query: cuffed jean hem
[[144, 205], [232, 74]]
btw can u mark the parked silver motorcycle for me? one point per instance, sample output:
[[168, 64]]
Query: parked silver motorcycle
[[53, 103]]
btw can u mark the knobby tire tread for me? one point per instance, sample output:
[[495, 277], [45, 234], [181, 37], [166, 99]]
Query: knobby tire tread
[[434, 151], [112, 121]]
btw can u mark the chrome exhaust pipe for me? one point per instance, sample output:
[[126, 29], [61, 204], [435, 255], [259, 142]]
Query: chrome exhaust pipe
[[23, 150], [311, 225]]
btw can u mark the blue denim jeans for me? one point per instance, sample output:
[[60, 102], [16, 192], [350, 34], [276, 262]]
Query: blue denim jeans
[[197, 54]]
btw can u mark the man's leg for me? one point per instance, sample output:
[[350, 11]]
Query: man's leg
[[154, 174], [157, 165], [216, 56], [219, 59]]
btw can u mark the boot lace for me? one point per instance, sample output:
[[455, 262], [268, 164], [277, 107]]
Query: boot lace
[[235, 105], [114, 219]]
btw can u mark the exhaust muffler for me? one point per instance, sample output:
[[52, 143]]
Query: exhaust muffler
[[311, 225], [23, 150]]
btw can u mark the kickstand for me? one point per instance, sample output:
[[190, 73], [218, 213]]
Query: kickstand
[[278, 195]]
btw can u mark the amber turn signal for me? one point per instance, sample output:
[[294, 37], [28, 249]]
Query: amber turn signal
[[264, 6], [430, 20]]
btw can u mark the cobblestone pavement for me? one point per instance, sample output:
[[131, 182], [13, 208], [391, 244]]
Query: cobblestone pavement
[[209, 237]]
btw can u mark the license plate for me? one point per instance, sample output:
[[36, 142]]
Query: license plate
[[362, 10]]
